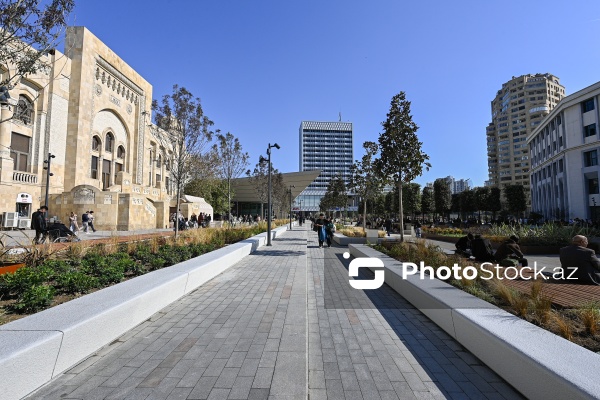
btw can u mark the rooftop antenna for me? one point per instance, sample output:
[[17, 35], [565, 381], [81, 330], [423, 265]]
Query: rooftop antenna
[[340, 116]]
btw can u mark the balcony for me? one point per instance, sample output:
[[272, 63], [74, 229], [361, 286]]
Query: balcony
[[24, 177]]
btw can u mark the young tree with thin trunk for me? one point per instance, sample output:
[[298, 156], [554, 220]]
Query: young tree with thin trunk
[[184, 135], [402, 158], [260, 180], [231, 160], [365, 182]]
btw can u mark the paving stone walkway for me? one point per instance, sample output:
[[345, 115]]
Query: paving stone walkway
[[281, 324]]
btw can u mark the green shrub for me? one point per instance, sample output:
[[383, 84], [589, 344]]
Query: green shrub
[[198, 249], [544, 235], [156, 263], [21, 280], [111, 274], [76, 282], [34, 299]]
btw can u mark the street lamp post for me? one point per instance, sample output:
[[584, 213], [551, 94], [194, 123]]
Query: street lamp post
[[269, 198], [291, 186], [48, 175]]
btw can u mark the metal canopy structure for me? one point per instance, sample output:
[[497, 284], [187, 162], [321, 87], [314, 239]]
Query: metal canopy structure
[[244, 191]]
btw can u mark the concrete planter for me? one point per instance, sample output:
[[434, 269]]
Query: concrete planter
[[538, 363]]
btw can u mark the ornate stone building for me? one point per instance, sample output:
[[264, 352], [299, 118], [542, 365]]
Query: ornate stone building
[[91, 112]]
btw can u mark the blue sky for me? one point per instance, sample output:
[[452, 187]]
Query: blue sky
[[261, 67]]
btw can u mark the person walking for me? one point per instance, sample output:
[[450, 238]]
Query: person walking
[[329, 230], [39, 224], [73, 223], [388, 226], [91, 221], [319, 227], [84, 221]]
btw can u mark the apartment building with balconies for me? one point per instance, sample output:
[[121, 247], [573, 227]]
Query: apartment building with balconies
[[518, 108]]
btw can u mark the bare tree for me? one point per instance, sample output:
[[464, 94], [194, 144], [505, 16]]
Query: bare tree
[[260, 180], [184, 134], [231, 161], [28, 31]]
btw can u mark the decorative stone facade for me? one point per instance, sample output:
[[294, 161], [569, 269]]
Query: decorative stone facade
[[91, 111]]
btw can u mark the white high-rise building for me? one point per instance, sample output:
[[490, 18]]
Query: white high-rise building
[[564, 148], [326, 146]]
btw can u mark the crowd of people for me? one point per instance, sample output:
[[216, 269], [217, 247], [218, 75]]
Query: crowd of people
[[201, 220]]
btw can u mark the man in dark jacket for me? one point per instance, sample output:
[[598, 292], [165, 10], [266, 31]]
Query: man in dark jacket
[[510, 249], [482, 249], [39, 224], [388, 226], [463, 246], [577, 256]]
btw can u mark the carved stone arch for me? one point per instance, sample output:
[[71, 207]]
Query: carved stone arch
[[109, 120]]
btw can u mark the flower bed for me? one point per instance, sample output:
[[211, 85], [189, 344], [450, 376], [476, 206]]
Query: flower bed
[[357, 232], [56, 274]]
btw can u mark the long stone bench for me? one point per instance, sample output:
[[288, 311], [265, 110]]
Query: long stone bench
[[536, 362], [37, 348]]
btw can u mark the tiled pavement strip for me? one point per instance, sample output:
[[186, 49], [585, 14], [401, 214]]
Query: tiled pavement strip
[[243, 335]]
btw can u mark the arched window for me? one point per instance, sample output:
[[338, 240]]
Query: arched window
[[24, 111], [95, 143], [121, 152], [109, 142]]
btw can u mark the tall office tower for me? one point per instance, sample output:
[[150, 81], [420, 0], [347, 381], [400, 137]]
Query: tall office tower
[[326, 146], [518, 108]]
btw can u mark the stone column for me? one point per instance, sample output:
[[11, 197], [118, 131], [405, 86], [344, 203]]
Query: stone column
[[6, 163]]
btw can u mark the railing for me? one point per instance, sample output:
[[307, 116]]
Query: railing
[[24, 177]]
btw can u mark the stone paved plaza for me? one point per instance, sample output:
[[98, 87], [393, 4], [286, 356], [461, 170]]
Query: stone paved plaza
[[278, 326]]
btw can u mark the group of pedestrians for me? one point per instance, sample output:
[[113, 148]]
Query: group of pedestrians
[[324, 228], [87, 222]]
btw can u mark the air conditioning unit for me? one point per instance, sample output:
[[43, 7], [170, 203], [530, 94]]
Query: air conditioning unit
[[24, 223], [10, 219]]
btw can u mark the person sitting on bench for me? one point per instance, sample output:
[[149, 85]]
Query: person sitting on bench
[[577, 256], [482, 249], [463, 246], [509, 253]]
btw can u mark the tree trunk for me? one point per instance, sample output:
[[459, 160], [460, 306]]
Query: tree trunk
[[401, 211], [177, 211], [365, 217]]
